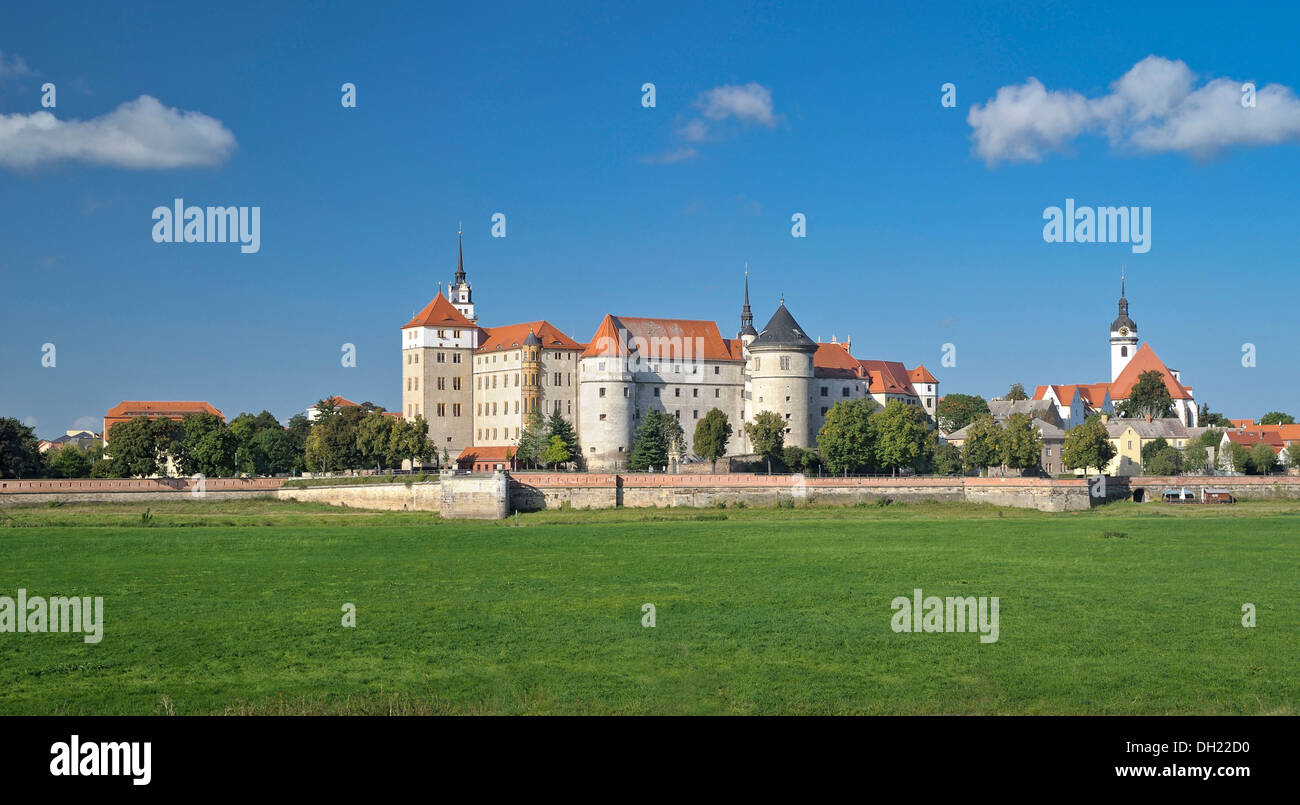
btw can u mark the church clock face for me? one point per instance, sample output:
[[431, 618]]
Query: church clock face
[[1123, 331]]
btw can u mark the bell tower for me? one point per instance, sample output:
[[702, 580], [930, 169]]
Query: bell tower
[[460, 293], [1123, 335]]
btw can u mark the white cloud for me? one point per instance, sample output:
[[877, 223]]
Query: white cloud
[[14, 65], [1152, 108], [749, 103], [140, 134], [671, 157]]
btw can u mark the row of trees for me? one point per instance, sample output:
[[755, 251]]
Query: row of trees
[[548, 442], [364, 437]]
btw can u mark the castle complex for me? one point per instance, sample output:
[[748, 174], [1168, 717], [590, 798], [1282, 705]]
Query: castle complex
[[476, 385]]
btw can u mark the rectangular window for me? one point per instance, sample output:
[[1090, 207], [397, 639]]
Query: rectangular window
[[657, 392], [695, 392], [455, 384], [442, 384], [455, 358], [695, 414], [557, 406], [845, 392], [442, 357], [717, 392], [442, 409], [602, 417], [826, 392], [602, 391], [625, 391], [785, 361]]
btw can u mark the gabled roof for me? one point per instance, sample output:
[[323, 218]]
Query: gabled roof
[[1242, 423], [1145, 360], [1162, 428], [888, 377], [1094, 395], [662, 340], [1250, 438], [921, 375], [439, 313], [782, 332], [512, 336], [341, 402]]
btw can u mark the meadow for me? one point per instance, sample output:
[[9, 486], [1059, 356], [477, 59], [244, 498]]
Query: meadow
[[237, 608]]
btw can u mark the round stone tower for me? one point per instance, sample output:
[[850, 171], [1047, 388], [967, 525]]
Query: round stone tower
[[780, 369], [607, 399]]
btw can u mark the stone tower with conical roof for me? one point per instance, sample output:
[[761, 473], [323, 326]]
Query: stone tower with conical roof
[[1123, 335], [780, 370]]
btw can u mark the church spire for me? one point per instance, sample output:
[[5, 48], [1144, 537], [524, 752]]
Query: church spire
[[460, 257], [746, 316]]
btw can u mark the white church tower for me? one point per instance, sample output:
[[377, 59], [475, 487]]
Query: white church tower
[[1123, 336], [460, 293]]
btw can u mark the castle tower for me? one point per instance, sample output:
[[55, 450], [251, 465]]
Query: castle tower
[[460, 293], [531, 371], [780, 368], [607, 398], [1123, 336]]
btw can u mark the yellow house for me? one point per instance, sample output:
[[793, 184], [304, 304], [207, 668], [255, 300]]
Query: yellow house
[[1130, 435]]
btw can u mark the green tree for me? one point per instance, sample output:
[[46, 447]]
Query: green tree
[[556, 452], [557, 425], [1020, 446], [983, 447], [1087, 446], [1168, 460], [711, 436], [956, 411], [19, 456], [1207, 418], [1235, 457], [1211, 438], [947, 459], [903, 437], [846, 441], [532, 440], [277, 451], [1149, 397], [1195, 458], [1152, 447], [1262, 459], [766, 432], [141, 446], [1017, 392], [1276, 418], [206, 446], [649, 448], [69, 462], [375, 440]]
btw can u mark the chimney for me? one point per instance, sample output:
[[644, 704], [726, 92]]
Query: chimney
[[1148, 419]]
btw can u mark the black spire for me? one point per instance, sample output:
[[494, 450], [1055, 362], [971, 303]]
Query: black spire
[[747, 317], [1123, 320], [460, 260]]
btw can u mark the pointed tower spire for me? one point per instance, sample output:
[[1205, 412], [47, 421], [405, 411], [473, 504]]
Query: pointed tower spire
[[746, 316], [460, 256]]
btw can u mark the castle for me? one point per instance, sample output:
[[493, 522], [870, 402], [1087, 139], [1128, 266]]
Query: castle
[[476, 385]]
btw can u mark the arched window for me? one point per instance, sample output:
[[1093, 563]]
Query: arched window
[[1123, 352]]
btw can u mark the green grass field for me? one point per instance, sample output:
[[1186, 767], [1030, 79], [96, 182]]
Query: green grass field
[[236, 608]]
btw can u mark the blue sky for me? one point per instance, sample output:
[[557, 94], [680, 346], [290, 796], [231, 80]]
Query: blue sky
[[913, 240]]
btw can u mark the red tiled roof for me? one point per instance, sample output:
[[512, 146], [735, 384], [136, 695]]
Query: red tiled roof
[[439, 313], [1145, 360], [833, 360], [341, 402], [1095, 394], [488, 453], [1252, 437], [134, 408], [888, 377], [1242, 423], [512, 336], [662, 339], [921, 375]]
